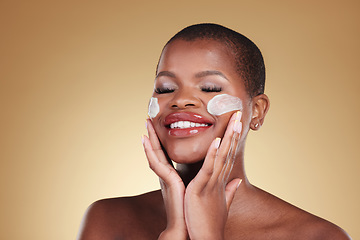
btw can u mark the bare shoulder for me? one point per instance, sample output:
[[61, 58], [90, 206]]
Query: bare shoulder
[[318, 228], [261, 215], [123, 217], [300, 224]]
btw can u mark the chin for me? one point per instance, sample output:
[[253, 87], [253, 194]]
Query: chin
[[187, 156], [187, 150], [186, 159]]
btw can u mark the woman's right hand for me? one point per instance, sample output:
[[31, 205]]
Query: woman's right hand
[[172, 186]]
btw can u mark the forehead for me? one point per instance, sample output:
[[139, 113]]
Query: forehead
[[197, 55]]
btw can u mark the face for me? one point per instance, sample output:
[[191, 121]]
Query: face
[[189, 75]]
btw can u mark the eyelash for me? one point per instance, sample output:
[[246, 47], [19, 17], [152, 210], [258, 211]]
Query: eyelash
[[205, 89], [211, 89], [164, 90]]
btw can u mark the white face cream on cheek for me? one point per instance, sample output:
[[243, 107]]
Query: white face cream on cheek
[[223, 103], [154, 107]]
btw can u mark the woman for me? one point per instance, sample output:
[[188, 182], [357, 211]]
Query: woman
[[208, 94]]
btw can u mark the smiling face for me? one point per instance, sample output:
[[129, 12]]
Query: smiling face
[[189, 75]]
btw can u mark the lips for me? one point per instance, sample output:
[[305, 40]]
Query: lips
[[186, 123]]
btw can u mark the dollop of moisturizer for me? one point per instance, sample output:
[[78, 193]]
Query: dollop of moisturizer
[[223, 103], [154, 107]]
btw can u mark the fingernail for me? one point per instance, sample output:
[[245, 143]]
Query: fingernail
[[146, 123], [217, 142], [238, 115], [239, 184], [237, 126]]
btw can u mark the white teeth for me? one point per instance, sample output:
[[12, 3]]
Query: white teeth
[[187, 124]]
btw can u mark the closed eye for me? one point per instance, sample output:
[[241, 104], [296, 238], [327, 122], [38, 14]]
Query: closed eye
[[211, 89], [164, 90]]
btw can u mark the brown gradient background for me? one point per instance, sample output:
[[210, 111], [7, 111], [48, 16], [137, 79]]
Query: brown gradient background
[[76, 76]]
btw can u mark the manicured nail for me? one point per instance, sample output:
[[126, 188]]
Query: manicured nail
[[217, 142], [146, 123], [237, 126], [239, 184], [238, 115]]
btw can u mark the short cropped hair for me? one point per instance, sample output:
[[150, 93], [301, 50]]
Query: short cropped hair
[[247, 56]]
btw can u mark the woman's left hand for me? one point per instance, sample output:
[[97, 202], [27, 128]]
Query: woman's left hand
[[209, 195]]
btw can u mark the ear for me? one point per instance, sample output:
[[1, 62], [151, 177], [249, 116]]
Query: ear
[[261, 105]]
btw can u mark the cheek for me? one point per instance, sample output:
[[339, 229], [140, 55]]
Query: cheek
[[224, 103]]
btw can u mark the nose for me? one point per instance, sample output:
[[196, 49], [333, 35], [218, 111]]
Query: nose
[[184, 99]]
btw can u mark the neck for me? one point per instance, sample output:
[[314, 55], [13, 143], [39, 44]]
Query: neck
[[187, 172]]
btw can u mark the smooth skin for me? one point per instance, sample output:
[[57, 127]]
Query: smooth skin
[[188, 209], [202, 198]]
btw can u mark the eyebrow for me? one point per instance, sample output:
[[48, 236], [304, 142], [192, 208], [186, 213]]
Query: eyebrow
[[198, 75], [165, 74], [210, 73]]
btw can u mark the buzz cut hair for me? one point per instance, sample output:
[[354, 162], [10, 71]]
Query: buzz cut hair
[[248, 59]]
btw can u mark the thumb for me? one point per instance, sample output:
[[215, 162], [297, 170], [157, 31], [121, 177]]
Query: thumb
[[230, 190]]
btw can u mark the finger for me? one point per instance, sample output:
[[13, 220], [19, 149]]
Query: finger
[[164, 171], [156, 146], [222, 154], [230, 191], [172, 186], [206, 171], [230, 159]]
